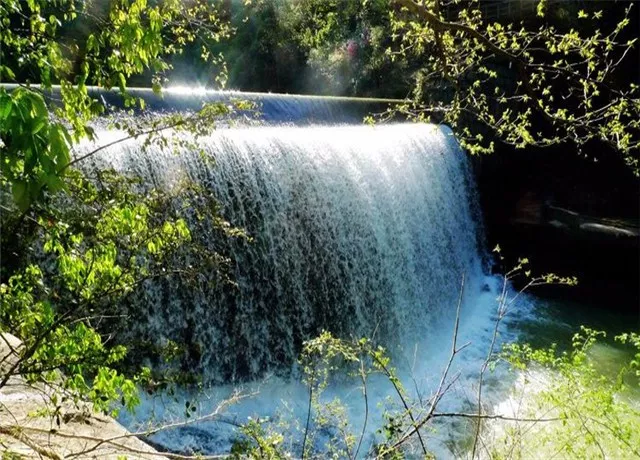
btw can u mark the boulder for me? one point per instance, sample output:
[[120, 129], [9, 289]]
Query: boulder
[[10, 349], [32, 426]]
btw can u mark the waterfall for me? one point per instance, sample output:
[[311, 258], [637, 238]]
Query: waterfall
[[359, 230], [269, 108]]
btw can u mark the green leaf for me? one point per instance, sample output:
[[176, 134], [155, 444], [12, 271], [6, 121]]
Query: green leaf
[[38, 125], [540, 9], [8, 72], [20, 194], [92, 43], [38, 105], [122, 82], [54, 182], [5, 106]]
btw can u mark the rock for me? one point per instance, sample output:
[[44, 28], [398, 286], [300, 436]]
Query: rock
[[27, 431], [618, 232], [557, 224], [10, 349], [29, 427]]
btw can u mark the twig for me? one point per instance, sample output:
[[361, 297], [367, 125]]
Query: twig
[[118, 141], [306, 430], [212, 415], [408, 410], [17, 433], [441, 390], [363, 377], [494, 417]]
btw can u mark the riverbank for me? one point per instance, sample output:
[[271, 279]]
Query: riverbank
[[34, 424]]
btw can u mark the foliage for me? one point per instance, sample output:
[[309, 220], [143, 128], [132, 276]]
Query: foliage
[[119, 39], [52, 345], [34, 148], [95, 244], [76, 246], [260, 55], [632, 339], [328, 431], [527, 84], [576, 412], [596, 417], [327, 355], [258, 442], [563, 76], [345, 43]]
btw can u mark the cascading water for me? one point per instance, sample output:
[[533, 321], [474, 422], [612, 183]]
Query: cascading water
[[358, 230], [361, 231]]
